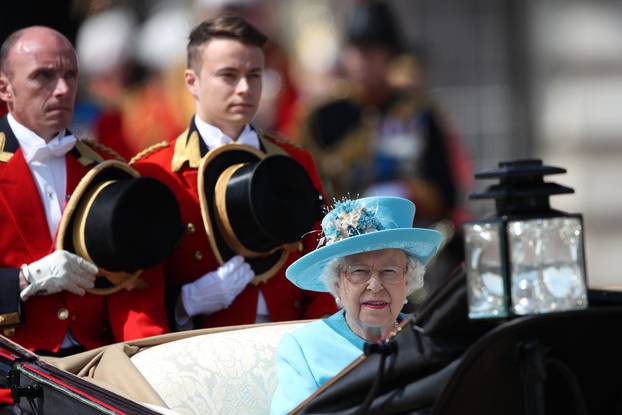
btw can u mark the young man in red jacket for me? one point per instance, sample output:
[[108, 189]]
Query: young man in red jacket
[[43, 303], [224, 75]]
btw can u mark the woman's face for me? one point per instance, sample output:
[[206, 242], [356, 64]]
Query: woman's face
[[376, 303]]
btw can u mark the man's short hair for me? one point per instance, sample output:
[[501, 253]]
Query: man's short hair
[[228, 26], [5, 49]]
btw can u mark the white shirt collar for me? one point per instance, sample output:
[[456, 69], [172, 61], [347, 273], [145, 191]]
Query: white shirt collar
[[213, 137], [30, 142]]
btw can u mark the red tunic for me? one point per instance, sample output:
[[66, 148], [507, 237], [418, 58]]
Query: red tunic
[[194, 256], [94, 320]]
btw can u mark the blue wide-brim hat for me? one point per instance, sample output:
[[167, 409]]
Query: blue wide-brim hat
[[363, 225]]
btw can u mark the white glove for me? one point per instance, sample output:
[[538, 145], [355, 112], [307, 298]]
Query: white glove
[[216, 290], [58, 271]]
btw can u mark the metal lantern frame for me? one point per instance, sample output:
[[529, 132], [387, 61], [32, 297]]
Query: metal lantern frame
[[520, 196]]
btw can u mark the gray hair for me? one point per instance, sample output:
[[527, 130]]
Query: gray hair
[[414, 274]]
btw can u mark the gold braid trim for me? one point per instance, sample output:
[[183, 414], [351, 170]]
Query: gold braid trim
[[151, 149], [5, 156], [104, 149]]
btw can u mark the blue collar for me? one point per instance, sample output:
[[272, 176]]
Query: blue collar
[[338, 323]]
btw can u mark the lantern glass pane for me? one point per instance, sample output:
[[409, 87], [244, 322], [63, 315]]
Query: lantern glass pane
[[547, 266], [485, 287]]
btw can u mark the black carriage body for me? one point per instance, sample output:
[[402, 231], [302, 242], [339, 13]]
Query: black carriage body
[[40, 388]]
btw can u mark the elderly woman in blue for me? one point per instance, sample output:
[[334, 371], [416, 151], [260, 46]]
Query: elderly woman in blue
[[370, 258]]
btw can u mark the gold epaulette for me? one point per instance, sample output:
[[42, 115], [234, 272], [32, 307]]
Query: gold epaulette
[[103, 149], [5, 156], [151, 149]]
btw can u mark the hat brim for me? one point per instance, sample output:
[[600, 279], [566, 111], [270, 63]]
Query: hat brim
[[421, 243], [212, 166], [104, 171]]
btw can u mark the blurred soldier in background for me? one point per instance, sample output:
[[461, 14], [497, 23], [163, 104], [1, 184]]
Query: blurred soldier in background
[[132, 72], [374, 138]]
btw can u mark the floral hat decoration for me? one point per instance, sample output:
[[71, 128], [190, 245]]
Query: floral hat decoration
[[363, 225]]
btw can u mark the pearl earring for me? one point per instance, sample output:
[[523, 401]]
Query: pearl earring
[[406, 301], [338, 300]]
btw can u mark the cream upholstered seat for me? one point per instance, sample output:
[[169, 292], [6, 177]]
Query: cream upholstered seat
[[230, 372]]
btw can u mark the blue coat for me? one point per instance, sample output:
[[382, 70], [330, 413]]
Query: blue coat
[[310, 356]]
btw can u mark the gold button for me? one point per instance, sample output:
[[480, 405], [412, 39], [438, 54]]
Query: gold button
[[9, 318], [190, 228], [197, 256], [9, 332], [63, 313]]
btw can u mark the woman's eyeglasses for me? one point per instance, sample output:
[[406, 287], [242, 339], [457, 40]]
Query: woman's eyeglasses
[[360, 273]]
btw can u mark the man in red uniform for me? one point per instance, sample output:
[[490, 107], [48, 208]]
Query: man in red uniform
[[43, 303], [224, 71]]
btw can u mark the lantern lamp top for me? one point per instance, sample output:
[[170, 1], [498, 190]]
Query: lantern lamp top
[[521, 188]]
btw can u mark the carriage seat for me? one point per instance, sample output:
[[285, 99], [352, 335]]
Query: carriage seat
[[230, 372]]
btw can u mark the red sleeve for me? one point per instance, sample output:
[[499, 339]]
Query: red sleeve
[[319, 304], [140, 312]]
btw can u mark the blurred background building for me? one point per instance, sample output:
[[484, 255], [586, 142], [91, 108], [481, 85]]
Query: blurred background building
[[514, 78]]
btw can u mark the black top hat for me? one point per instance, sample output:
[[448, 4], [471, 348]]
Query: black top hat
[[373, 24], [121, 222], [256, 206]]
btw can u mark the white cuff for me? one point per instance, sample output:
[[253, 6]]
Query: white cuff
[[203, 296], [182, 320], [28, 291]]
